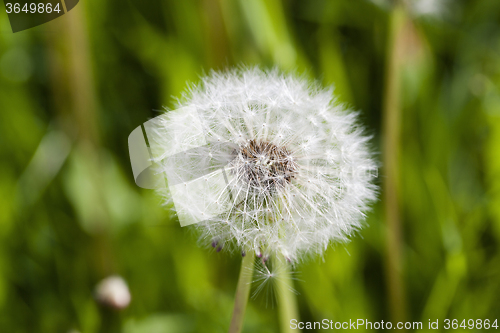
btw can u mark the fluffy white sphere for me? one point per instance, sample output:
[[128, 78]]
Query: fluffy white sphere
[[298, 171], [113, 292]]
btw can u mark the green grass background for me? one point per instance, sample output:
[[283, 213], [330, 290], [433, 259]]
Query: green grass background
[[73, 89]]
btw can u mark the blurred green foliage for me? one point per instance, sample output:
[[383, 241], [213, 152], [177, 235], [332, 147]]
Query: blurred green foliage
[[73, 89]]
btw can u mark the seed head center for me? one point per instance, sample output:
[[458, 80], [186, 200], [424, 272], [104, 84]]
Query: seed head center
[[264, 165]]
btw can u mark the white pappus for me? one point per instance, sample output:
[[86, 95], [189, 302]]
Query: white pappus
[[297, 172]]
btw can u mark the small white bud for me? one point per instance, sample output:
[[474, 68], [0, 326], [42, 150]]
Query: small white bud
[[113, 292]]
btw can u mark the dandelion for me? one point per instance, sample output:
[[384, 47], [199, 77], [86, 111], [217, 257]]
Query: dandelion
[[434, 9], [298, 172], [113, 292], [265, 163]]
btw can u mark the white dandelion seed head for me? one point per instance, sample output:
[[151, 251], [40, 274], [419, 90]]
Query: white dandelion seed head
[[113, 292], [436, 9], [297, 171], [430, 8]]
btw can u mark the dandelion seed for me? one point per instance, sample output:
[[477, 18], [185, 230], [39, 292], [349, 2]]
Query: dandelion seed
[[267, 277]]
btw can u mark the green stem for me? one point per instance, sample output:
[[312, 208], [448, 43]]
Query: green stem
[[242, 293], [287, 302]]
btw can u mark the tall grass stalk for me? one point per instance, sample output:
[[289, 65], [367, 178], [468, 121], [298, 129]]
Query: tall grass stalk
[[391, 149]]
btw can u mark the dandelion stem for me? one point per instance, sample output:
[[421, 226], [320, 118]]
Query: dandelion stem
[[242, 292], [287, 302]]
